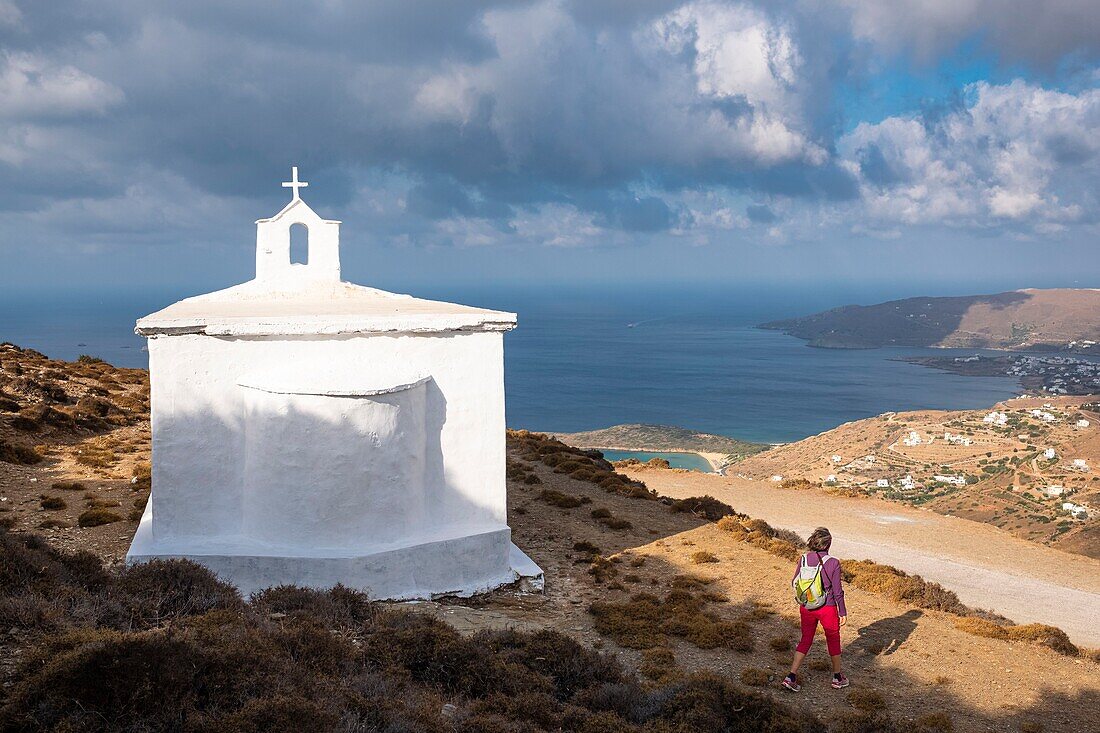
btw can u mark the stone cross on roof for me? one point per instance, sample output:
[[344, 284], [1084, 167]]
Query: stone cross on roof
[[294, 183]]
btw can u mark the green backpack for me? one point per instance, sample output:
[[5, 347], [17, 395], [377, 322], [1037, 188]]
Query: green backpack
[[809, 590]]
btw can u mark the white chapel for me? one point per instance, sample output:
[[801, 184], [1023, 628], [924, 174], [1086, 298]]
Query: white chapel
[[311, 431]]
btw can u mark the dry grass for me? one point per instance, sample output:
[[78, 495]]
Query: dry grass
[[659, 665], [704, 506], [701, 557], [578, 464], [97, 517], [866, 699], [646, 621], [69, 486], [560, 499], [146, 647], [755, 677], [53, 502], [1048, 636], [18, 454]]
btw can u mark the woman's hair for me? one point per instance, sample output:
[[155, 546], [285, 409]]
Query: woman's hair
[[820, 540]]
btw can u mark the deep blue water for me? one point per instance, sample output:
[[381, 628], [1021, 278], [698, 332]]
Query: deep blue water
[[691, 461], [692, 358]]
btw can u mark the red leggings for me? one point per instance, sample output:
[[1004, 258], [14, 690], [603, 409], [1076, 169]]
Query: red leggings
[[830, 621]]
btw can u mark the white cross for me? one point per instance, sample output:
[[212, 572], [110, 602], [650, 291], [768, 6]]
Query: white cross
[[294, 183]]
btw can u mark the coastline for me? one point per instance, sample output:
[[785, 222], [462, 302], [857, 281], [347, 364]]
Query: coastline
[[717, 461]]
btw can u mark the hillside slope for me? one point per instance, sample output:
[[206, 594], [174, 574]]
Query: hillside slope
[[1016, 476], [1021, 319], [662, 438]]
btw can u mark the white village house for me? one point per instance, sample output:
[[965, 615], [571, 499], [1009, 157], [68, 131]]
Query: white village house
[[311, 431]]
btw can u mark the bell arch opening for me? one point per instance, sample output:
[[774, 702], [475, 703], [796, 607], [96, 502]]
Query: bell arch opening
[[299, 244]]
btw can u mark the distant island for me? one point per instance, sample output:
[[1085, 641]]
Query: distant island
[[1056, 319], [663, 438]]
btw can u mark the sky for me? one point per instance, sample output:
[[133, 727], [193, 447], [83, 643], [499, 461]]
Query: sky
[[927, 145]]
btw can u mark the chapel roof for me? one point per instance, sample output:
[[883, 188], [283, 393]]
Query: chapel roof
[[310, 299]]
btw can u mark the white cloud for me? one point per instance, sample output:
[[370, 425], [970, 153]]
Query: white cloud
[[1020, 29], [1015, 154], [10, 14], [597, 103], [34, 86]]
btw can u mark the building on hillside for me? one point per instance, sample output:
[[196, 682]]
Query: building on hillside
[[1055, 490], [1080, 464], [948, 479], [837, 459], [955, 439], [310, 431], [1050, 454], [996, 418], [912, 439], [1042, 415], [777, 478], [1082, 423], [883, 483]]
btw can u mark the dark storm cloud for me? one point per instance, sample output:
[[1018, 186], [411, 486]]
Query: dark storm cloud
[[617, 110]]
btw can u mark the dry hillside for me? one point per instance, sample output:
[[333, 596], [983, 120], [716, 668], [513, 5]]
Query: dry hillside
[[665, 592], [1016, 475], [1021, 319]]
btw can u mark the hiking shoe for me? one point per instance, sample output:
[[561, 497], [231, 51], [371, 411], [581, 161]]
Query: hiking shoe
[[839, 682], [790, 682]]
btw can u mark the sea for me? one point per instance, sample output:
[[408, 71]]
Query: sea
[[589, 356]]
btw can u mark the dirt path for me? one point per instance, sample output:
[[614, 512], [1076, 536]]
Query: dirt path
[[986, 567]]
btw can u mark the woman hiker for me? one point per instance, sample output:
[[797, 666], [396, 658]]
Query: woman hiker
[[820, 596]]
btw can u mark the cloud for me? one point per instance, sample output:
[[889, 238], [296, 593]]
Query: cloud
[[1017, 30], [1014, 155], [34, 87], [521, 122]]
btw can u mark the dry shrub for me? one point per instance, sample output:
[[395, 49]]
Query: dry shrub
[[586, 547], [759, 533], [601, 513], [702, 556], [562, 500], [780, 643], [69, 486], [53, 502], [817, 664], [1048, 636], [580, 464], [531, 479], [866, 700], [18, 454], [102, 504], [615, 523], [645, 621], [902, 587], [53, 524], [798, 483], [95, 457], [602, 569], [935, 723], [659, 664], [97, 517], [755, 677], [690, 582], [704, 506]]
